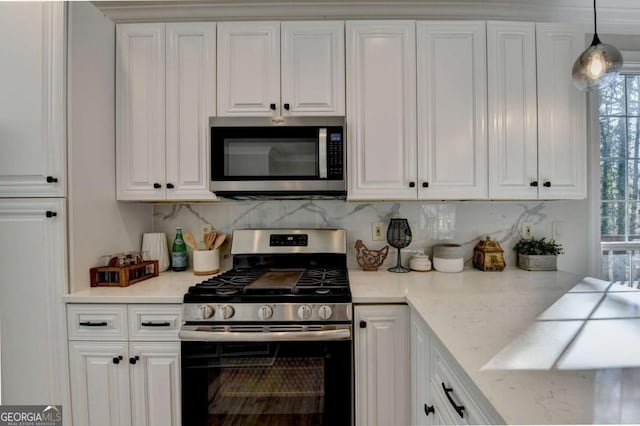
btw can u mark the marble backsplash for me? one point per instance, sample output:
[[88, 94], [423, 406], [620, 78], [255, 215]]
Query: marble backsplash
[[461, 222]]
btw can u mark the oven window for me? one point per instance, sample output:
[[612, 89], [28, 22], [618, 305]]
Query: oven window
[[281, 391], [305, 383], [270, 157]]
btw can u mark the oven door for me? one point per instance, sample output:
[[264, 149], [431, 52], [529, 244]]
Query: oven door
[[269, 382]]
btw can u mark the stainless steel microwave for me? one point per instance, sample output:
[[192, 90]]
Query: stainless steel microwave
[[278, 156]]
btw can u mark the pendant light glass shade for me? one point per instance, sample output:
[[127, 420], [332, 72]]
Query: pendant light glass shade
[[597, 66]]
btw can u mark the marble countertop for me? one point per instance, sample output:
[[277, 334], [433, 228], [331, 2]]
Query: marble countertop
[[168, 287], [510, 332], [487, 321]]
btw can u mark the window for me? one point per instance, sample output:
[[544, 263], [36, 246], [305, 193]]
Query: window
[[619, 113]]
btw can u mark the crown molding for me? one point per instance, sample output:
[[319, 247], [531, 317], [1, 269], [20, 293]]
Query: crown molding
[[614, 16]]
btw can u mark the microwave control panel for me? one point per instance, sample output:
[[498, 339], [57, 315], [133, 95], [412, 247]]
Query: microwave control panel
[[335, 154]]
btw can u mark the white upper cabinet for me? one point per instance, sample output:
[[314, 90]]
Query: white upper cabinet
[[191, 97], [32, 118], [381, 110], [251, 56], [313, 68], [452, 110], [562, 139], [140, 114], [248, 68], [163, 153], [513, 131]]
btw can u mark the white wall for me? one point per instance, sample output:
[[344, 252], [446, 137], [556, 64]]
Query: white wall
[[98, 224]]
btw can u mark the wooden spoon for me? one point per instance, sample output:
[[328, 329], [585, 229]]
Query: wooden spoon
[[219, 241], [208, 239], [190, 240]]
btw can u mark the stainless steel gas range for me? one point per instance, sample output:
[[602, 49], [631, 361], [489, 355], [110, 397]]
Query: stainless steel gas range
[[270, 341]]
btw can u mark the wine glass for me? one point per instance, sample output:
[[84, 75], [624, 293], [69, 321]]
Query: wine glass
[[399, 236]]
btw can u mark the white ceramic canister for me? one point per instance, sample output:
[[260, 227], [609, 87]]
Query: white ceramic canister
[[448, 258], [206, 262], [154, 244], [420, 262]]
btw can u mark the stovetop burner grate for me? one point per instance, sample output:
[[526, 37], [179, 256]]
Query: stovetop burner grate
[[313, 281]]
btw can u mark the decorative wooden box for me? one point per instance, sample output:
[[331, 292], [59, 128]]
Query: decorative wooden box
[[488, 256], [123, 276]]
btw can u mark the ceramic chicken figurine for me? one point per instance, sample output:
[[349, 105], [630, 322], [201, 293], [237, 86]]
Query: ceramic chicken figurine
[[370, 260]]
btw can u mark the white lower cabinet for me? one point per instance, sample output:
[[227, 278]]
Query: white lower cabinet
[[422, 407], [33, 280], [155, 383], [99, 383], [381, 365], [134, 382], [441, 392]]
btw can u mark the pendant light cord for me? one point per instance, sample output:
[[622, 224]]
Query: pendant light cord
[[596, 40], [595, 19]]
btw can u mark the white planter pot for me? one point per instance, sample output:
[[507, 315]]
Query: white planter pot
[[532, 262]]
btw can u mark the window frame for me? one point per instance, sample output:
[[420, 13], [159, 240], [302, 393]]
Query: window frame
[[631, 66]]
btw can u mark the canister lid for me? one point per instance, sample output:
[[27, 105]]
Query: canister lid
[[447, 251]]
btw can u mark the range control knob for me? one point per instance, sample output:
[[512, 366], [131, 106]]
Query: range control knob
[[325, 312], [265, 312], [206, 311], [227, 311], [304, 312]]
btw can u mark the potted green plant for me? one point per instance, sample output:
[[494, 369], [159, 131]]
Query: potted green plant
[[538, 254]]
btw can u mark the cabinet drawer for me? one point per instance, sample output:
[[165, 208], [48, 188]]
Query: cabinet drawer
[[445, 373], [97, 322], [154, 322]]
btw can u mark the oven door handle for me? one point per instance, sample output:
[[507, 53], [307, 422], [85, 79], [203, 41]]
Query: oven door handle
[[269, 336]]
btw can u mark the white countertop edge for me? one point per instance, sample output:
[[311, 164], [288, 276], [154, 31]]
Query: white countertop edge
[[96, 299]]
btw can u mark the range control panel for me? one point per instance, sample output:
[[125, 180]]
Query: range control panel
[[289, 240]]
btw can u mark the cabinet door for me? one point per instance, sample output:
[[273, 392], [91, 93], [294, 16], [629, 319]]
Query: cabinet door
[[155, 383], [140, 114], [99, 385], [191, 97], [382, 365], [452, 106], [381, 113], [249, 68], [421, 398], [313, 68], [32, 84], [562, 137], [32, 283], [513, 126]]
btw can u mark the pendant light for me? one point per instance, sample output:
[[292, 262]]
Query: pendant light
[[597, 66]]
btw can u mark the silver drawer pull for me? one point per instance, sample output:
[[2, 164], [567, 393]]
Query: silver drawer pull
[[155, 324]]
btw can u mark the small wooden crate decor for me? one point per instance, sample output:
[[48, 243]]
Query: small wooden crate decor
[[123, 276]]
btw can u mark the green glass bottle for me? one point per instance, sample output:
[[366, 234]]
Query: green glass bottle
[[178, 252]]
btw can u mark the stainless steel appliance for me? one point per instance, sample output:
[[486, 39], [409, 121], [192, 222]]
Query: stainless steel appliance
[[278, 156], [270, 341]]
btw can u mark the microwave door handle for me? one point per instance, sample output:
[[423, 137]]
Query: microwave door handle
[[322, 153]]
